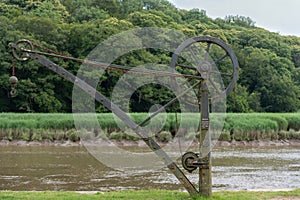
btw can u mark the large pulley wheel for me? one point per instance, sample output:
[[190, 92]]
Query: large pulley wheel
[[21, 52], [210, 58]]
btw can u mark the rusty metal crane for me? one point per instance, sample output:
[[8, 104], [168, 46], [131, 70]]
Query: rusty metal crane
[[201, 70]]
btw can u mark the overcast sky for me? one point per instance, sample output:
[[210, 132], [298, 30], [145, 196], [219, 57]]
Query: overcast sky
[[282, 16]]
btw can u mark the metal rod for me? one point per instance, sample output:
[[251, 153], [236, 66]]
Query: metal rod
[[221, 58]]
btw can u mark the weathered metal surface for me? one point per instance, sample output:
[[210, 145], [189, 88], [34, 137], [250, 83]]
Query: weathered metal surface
[[205, 124], [190, 161], [205, 178], [19, 47]]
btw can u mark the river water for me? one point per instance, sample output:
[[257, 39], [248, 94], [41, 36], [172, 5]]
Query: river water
[[74, 169]]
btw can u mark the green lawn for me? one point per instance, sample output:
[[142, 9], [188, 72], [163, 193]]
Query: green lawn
[[147, 195]]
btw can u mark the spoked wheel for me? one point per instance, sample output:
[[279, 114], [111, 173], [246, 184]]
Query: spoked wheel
[[210, 58], [19, 53]]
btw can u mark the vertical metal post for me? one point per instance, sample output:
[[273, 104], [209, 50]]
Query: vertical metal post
[[205, 178]]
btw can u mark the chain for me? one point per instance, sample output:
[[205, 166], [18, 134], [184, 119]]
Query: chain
[[12, 65], [47, 49]]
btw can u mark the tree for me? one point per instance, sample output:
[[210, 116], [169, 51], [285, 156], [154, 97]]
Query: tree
[[110, 6], [296, 55], [9, 11], [143, 19], [129, 6], [239, 20], [48, 9], [280, 95], [196, 15], [237, 101], [160, 5]]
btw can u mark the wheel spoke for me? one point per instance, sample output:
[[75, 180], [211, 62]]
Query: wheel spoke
[[208, 47], [221, 58], [214, 86], [186, 66], [26, 45], [207, 51], [221, 73], [194, 56]]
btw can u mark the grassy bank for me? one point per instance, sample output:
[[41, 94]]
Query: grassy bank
[[239, 127], [153, 195]]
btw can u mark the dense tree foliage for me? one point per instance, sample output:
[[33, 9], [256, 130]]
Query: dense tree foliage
[[269, 63]]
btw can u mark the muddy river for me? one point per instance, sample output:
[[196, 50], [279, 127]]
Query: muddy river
[[73, 168]]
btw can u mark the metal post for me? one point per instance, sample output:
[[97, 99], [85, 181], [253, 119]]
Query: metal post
[[205, 178]]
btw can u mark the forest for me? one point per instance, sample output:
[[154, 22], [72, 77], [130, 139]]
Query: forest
[[269, 79]]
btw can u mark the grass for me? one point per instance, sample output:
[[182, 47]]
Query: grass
[[60, 126], [145, 195]]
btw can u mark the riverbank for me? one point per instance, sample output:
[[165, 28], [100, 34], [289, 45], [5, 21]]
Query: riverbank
[[140, 143], [151, 195], [249, 128]]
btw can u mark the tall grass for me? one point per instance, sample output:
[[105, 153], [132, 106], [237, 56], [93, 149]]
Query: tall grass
[[57, 126]]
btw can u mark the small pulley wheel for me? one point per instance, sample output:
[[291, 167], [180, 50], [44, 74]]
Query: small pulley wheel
[[21, 52], [188, 161], [210, 58]]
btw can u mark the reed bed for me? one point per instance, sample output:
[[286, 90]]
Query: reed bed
[[60, 126]]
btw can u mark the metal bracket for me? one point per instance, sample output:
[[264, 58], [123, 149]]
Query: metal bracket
[[205, 124]]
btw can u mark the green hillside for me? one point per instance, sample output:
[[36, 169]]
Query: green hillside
[[269, 78]]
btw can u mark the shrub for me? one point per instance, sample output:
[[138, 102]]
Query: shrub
[[36, 137], [164, 136], [56, 126], [116, 136], [225, 136]]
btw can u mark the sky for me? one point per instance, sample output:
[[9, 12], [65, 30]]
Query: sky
[[281, 16]]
